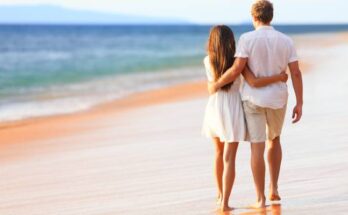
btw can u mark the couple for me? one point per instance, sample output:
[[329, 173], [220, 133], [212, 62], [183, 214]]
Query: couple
[[255, 111]]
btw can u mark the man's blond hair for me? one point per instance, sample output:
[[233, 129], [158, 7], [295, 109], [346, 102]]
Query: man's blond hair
[[262, 10]]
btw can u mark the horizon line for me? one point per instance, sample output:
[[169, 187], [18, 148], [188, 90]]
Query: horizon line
[[163, 24]]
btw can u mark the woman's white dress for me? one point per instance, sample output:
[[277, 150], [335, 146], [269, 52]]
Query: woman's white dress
[[224, 115]]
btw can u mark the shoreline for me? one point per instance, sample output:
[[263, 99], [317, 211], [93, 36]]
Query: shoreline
[[298, 38], [46, 127], [50, 127]]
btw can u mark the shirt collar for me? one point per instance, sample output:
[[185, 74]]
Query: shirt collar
[[265, 27]]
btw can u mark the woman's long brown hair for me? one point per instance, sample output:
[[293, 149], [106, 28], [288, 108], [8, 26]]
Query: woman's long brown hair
[[221, 50]]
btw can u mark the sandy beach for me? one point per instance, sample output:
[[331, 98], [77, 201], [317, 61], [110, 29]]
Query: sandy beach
[[144, 154]]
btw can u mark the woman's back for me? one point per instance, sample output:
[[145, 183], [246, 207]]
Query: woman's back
[[236, 84], [224, 116]]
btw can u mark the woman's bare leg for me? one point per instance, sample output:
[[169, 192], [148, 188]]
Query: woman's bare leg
[[230, 151], [218, 167]]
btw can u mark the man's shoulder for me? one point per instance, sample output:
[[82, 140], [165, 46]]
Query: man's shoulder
[[248, 35], [283, 36]]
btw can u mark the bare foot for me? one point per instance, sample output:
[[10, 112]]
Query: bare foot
[[259, 204], [218, 201], [274, 195], [225, 208]]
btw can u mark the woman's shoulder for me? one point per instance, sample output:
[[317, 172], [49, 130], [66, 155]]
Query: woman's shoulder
[[208, 68], [206, 60]]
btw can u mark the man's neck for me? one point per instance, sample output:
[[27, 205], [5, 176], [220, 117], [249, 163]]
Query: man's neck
[[260, 25]]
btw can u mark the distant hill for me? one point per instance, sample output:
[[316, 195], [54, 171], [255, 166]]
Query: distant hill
[[48, 14]]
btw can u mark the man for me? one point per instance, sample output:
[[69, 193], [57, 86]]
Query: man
[[266, 52]]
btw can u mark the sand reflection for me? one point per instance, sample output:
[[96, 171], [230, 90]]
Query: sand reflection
[[273, 209]]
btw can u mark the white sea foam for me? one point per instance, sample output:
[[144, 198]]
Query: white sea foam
[[63, 99]]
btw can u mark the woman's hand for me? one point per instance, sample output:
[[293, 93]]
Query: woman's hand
[[284, 77]]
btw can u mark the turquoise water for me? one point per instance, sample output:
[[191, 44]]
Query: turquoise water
[[44, 55], [48, 70]]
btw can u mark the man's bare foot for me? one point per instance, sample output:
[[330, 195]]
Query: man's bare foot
[[274, 195], [225, 208], [259, 204]]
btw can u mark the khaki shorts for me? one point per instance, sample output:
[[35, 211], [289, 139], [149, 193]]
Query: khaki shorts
[[261, 120]]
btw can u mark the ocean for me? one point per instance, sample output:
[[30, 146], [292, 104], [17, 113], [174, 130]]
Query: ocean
[[57, 69]]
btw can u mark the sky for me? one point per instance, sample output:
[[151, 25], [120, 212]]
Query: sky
[[209, 11]]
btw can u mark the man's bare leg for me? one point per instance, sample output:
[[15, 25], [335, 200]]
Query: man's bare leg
[[274, 157], [258, 169], [230, 152], [218, 167]]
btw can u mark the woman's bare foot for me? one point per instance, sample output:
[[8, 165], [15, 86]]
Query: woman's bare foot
[[218, 200]]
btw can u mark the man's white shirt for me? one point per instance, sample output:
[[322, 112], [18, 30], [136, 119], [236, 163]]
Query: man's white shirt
[[269, 52]]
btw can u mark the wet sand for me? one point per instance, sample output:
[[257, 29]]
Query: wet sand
[[145, 154], [51, 127]]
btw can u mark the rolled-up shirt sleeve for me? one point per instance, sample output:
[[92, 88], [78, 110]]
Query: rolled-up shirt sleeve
[[293, 54], [242, 50]]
